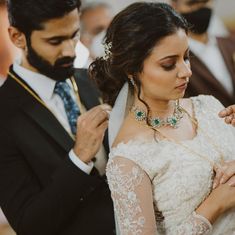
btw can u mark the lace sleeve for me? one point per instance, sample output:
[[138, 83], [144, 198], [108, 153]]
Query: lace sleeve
[[132, 195], [194, 225], [131, 191]]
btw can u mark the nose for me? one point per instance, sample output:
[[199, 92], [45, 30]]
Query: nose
[[184, 70], [68, 49]]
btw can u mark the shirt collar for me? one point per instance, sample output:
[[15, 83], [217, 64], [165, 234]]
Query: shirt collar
[[41, 84]]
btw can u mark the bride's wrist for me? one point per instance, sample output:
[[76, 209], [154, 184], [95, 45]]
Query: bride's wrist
[[210, 209]]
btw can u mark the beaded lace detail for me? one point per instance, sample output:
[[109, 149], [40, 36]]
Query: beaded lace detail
[[156, 187]]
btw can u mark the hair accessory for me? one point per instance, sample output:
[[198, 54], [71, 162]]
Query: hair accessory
[[157, 122], [107, 51]]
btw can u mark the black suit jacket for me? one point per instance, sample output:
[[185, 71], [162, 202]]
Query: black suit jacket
[[204, 82], [41, 191]]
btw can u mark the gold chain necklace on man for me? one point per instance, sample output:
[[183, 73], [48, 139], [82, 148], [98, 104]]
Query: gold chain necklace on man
[[193, 120], [32, 93]]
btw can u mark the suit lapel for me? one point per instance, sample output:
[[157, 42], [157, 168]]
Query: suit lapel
[[198, 67], [89, 96], [42, 116], [87, 92], [227, 49]]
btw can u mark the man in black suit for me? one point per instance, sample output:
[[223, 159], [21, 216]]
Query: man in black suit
[[48, 182]]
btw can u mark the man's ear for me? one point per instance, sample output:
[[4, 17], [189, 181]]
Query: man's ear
[[18, 38]]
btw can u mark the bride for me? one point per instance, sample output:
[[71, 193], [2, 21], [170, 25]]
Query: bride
[[172, 162]]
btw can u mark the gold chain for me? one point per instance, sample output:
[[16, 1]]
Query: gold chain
[[75, 88]]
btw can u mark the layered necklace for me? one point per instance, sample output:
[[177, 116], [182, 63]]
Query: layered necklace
[[157, 122]]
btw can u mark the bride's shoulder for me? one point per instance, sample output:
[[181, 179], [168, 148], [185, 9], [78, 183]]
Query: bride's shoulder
[[131, 130], [203, 102]]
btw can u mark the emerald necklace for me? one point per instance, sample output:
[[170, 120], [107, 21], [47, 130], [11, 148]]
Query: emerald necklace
[[157, 122]]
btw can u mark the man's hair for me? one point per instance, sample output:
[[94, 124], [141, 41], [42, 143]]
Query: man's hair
[[29, 15]]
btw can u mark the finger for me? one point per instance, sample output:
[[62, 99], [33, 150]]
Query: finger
[[227, 111], [90, 117], [231, 181], [102, 128], [228, 173], [100, 108], [233, 121], [101, 117], [228, 119], [218, 176]]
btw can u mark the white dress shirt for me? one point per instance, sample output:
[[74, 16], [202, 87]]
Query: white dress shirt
[[2, 80], [44, 87]]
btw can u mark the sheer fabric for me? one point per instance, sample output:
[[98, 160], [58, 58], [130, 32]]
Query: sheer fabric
[[156, 187]]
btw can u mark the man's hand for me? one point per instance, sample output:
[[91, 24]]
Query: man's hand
[[228, 114], [91, 127]]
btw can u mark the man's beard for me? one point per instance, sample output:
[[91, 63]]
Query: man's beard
[[56, 71]]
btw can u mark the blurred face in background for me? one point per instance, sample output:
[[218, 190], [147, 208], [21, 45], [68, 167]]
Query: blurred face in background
[[196, 12], [94, 23]]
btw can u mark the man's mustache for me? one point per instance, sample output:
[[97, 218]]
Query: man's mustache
[[64, 60]]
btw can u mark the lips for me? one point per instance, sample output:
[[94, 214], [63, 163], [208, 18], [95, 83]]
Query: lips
[[183, 85], [67, 65]]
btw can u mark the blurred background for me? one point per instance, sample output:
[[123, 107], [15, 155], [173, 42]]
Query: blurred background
[[93, 25], [224, 8]]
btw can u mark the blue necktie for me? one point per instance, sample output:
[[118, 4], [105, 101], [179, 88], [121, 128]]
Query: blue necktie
[[71, 108]]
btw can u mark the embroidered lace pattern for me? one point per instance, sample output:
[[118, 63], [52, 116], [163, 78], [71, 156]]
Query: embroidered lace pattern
[[126, 201], [156, 187]]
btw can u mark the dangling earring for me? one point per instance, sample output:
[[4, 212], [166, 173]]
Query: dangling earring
[[132, 81]]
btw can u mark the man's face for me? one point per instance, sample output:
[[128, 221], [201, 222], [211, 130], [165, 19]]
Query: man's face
[[51, 51], [187, 6]]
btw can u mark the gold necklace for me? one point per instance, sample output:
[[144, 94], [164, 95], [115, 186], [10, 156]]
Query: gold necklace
[[32, 93]]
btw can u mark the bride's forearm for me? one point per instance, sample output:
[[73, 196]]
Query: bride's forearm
[[210, 209]]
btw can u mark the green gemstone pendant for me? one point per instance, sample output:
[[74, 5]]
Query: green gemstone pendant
[[156, 122], [140, 115], [172, 121]]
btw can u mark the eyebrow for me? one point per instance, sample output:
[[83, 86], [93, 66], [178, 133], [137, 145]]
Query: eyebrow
[[173, 56], [62, 37], [192, 2]]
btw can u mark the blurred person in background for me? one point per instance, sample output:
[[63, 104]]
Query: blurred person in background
[[212, 51], [95, 18], [7, 50]]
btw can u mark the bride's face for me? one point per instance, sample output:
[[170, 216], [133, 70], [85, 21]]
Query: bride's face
[[167, 70]]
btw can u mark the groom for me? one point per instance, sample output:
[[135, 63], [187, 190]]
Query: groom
[[48, 181]]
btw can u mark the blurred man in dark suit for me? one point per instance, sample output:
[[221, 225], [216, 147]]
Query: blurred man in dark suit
[[212, 57]]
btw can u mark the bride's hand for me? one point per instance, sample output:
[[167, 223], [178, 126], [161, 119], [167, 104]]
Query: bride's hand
[[224, 173]]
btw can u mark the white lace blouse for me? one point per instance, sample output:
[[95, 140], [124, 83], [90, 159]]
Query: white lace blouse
[[156, 187]]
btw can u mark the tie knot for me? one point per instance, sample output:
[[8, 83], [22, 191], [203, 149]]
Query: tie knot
[[62, 87]]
